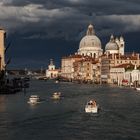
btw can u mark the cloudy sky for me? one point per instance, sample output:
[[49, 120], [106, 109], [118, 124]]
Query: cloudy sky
[[42, 29]]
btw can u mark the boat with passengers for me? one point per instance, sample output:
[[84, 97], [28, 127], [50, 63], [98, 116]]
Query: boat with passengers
[[91, 107], [34, 99], [56, 95]]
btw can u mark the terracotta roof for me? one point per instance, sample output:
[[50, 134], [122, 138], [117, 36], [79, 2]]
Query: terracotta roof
[[124, 65]]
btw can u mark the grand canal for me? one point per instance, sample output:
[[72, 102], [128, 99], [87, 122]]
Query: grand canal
[[118, 119]]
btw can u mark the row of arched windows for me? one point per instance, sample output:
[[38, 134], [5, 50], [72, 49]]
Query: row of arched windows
[[94, 55]]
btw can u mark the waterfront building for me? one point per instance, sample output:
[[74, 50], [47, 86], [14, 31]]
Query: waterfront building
[[117, 75], [90, 63], [87, 69], [115, 56], [67, 65], [2, 50], [105, 69], [52, 72], [80, 65], [133, 76], [117, 60], [127, 74]]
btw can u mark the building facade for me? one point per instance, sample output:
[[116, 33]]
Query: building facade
[[84, 65], [52, 72], [87, 69], [2, 50], [67, 66], [117, 75], [90, 63], [121, 75]]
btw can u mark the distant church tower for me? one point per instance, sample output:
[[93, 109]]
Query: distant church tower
[[51, 72], [2, 50], [121, 43], [51, 66]]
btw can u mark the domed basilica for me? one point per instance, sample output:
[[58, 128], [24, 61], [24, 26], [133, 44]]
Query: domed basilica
[[90, 45], [90, 63]]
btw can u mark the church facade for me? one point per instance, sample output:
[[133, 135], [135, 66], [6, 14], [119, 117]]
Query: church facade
[[52, 72]]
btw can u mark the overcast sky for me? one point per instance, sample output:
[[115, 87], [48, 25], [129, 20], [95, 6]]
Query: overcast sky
[[44, 29]]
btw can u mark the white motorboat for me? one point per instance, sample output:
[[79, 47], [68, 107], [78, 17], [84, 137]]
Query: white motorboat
[[91, 107], [56, 95], [34, 99], [138, 88], [56, 81]]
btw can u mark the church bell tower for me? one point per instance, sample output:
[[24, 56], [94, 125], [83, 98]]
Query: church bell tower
[[121, 46]]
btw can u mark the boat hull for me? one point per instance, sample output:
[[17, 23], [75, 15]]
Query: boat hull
[[56, 97], [138, 89], [34, 99], [89, 109]]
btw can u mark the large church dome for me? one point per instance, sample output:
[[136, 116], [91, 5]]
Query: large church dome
[[90, 44], [90, 41]]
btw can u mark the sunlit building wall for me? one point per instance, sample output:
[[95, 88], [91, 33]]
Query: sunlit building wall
[[2, 49], [52, 72]]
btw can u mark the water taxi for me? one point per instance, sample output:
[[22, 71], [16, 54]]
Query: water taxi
[[56, 81], [34, 99], [91, 107], [56, 95], [138, 88]]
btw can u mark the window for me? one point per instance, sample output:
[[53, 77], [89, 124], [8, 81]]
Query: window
[[94, 55], [91, 54]]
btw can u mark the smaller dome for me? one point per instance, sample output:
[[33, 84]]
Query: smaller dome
[[112, 45]]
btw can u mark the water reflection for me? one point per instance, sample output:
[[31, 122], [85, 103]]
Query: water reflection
[[66, 118], [2, 103]]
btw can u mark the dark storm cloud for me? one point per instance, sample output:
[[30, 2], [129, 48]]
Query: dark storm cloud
[[69, 18], [44, 29], [101, 6]]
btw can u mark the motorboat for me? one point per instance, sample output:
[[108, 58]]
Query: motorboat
[[91, 107], [34, 99], [138, 88], [56, 81], [56, 95]]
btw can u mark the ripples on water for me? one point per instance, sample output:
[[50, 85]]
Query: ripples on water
[[118, 118]]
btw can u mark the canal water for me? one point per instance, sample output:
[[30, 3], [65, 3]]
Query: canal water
[[118, 118]]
